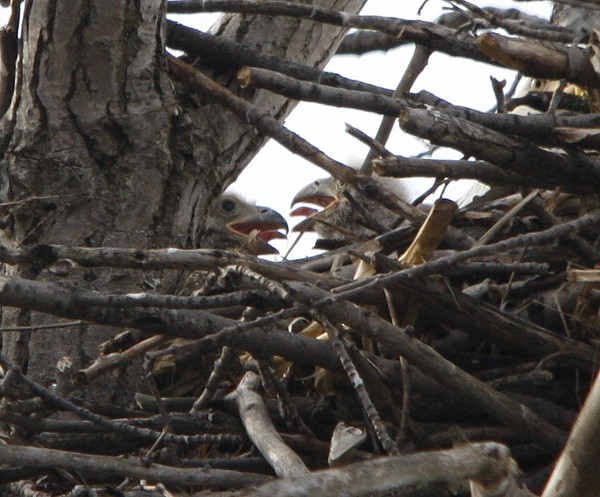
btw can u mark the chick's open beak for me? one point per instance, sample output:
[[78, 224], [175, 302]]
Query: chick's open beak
[[260, 228], [321, 193]]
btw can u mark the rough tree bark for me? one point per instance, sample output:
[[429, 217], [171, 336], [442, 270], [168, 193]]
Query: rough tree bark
[[101, 148]]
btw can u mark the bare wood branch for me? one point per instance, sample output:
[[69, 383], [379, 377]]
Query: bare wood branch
[[398, 473], [503, 151], [113, 468], [540, 60], [261, 431], [424, 33], [539, 127], [221, 52], [417, 64], [408, 167], [337, 340], [575, 473]]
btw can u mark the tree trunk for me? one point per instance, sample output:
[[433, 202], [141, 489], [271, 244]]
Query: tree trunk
[[102, 149]]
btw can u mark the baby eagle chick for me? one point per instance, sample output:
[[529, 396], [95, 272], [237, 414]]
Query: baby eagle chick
[[346, 216], [234, 223]]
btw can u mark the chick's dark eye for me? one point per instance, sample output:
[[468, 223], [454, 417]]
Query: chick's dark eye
[[228, 205]]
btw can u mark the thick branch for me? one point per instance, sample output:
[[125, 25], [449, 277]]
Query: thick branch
[[541, 60], [261, 431], [116, 468], [398, 474], [435, 36], [222, 52], [576, 472], [503, 151], [539, 127], [407, 167]]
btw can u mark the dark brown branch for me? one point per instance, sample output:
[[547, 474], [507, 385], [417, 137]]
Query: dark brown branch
[[111, 425], [35, 296], [498, 327], [266, 369], [8, 58], [45, 297], [416, 66], [514, 22], [509, 153], [541, 60], [586, 251], [116, 468], [337, 340], [221, 52], [313, 92], [367, 140], [540, 101], [537, 127], [398, 474], [511, 20], [407, 167], [292, 347], [43, 256], [434, 36], [362, 42], [499, 268], [225, 361], [252, 297]]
